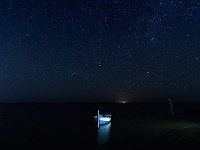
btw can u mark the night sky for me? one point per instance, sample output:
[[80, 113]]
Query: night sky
[[99, 50]]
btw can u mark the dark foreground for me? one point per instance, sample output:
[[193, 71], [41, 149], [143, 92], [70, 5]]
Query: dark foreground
[[71, 126]]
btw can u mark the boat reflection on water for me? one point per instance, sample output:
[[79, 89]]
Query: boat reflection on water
[[104, 135]]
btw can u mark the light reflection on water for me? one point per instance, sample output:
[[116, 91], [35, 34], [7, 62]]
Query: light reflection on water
[[104, 135]]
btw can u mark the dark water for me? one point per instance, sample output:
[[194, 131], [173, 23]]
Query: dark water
[[64, 126]]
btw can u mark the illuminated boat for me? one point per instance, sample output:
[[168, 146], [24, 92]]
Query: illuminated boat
[[102, 119]]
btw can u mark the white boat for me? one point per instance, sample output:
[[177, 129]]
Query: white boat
[[102, 119]]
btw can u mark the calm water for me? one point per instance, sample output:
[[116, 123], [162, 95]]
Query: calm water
[[63, 126]]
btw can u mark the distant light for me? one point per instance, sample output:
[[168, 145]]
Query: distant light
[[123, 101]]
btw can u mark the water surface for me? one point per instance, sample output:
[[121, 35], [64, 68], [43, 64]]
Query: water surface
[[60, 126]]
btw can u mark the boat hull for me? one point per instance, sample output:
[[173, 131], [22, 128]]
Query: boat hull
[[103, 119]]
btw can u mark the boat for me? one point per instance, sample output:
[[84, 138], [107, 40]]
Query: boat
[[102, 119]]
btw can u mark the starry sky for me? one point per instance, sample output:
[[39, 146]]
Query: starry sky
[[99, 50]]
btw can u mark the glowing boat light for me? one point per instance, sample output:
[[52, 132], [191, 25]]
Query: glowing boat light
[[102, 119]]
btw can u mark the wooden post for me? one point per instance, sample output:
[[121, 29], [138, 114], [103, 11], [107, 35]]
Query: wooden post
[[171, 106]]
